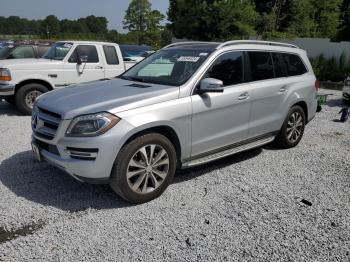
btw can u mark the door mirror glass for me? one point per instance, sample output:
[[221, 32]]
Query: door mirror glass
[[82, 59], [211, 85]]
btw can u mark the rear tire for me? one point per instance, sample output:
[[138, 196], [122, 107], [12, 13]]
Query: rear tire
[[144, 168], [293, 128], [26, 96]]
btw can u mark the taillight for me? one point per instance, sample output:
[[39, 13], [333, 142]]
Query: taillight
[[317, 84]]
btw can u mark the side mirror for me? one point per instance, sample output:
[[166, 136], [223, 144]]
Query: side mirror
[[211, 85], [82, 59]]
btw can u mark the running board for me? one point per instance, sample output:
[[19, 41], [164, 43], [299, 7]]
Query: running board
[[228, 152]]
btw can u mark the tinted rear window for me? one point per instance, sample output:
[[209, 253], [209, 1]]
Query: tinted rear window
[[261, 66], [294, 65], [111, 55], [278, 65]]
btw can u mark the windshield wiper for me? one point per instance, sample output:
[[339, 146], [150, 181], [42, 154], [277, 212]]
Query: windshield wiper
[[132, 78]]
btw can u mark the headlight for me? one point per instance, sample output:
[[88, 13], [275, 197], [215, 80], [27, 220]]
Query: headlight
[[5, 74], [91, 125]]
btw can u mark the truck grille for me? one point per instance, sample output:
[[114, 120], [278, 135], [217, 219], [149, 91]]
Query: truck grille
[[45, 123]]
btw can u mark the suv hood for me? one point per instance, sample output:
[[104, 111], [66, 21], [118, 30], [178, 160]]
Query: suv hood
[[28, 63], [114, 96]]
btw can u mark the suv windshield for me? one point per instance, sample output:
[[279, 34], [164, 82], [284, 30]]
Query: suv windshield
[[168, 67], [58, 51]]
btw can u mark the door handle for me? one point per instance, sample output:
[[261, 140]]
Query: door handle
[[243, 96], [283, 89], [99, 67]]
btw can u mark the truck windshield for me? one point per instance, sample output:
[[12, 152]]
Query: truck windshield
[[58, 51], [168, 67]]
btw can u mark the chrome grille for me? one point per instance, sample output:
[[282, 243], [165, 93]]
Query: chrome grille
[[45, 123]]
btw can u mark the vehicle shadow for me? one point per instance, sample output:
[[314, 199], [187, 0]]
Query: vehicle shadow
[[336, 103], [47, 185], [7, 109]]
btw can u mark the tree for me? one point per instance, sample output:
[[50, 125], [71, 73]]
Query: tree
[[51, 25], [96, 25], [212, 20], [344, 29], [143, 22], [326, 17], [135, 19]]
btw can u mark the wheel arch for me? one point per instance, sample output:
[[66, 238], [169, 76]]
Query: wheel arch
[[34, 81], [304, 106], [164, 130]]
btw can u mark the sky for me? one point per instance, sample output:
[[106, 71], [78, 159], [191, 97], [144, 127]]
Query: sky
[[113, 10]]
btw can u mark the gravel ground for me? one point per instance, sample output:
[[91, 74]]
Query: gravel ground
[[245, 207]]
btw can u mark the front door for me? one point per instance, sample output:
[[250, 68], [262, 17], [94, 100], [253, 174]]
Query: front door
[[90, 70], [222, 119]]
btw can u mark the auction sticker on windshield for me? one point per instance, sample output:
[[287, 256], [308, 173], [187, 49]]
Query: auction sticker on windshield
[[193, 59]]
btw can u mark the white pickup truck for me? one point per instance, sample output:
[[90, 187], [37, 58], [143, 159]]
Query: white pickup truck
[[65, 63]]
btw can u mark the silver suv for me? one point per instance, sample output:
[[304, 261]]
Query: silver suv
[[186, 105]]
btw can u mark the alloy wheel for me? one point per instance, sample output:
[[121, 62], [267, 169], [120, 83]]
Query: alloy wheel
[[294, 127], [147, 169]]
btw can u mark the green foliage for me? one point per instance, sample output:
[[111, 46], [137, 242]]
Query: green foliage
[[212, 20], [52, 27], [332, 69], [267, 19], [143, 23], [344, 29]]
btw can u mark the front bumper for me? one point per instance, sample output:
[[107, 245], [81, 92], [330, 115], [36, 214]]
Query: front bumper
[[98, 154], [7, 89]]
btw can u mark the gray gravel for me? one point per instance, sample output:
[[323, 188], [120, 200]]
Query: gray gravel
[[246, 207]]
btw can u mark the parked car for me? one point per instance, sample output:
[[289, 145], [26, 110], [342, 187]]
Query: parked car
[[135, 52], [346, 89], [65, 63], [23, 51], [186, 105]]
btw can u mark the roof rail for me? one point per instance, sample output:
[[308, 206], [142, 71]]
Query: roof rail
[[255, 42], [189, 43]]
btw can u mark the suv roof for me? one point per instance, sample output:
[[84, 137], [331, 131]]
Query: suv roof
[[217, 45]]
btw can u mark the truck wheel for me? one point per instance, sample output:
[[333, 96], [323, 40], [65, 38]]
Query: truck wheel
[[144, 168], [26, 96], [10, 100], [293, 128]]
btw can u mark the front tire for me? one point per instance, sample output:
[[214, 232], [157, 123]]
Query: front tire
[[144, 168], [293, 128], [26, 95]]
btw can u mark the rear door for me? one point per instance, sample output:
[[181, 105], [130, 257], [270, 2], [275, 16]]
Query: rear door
[[92, 70], [222, 119], [114, 65], [268, 92]]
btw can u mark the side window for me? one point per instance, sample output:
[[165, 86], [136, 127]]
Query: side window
[[88, 51], [42, 50], [278, 65], [229, 68], [22, 52], [261, 66], [111, 55], [294, 65]]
